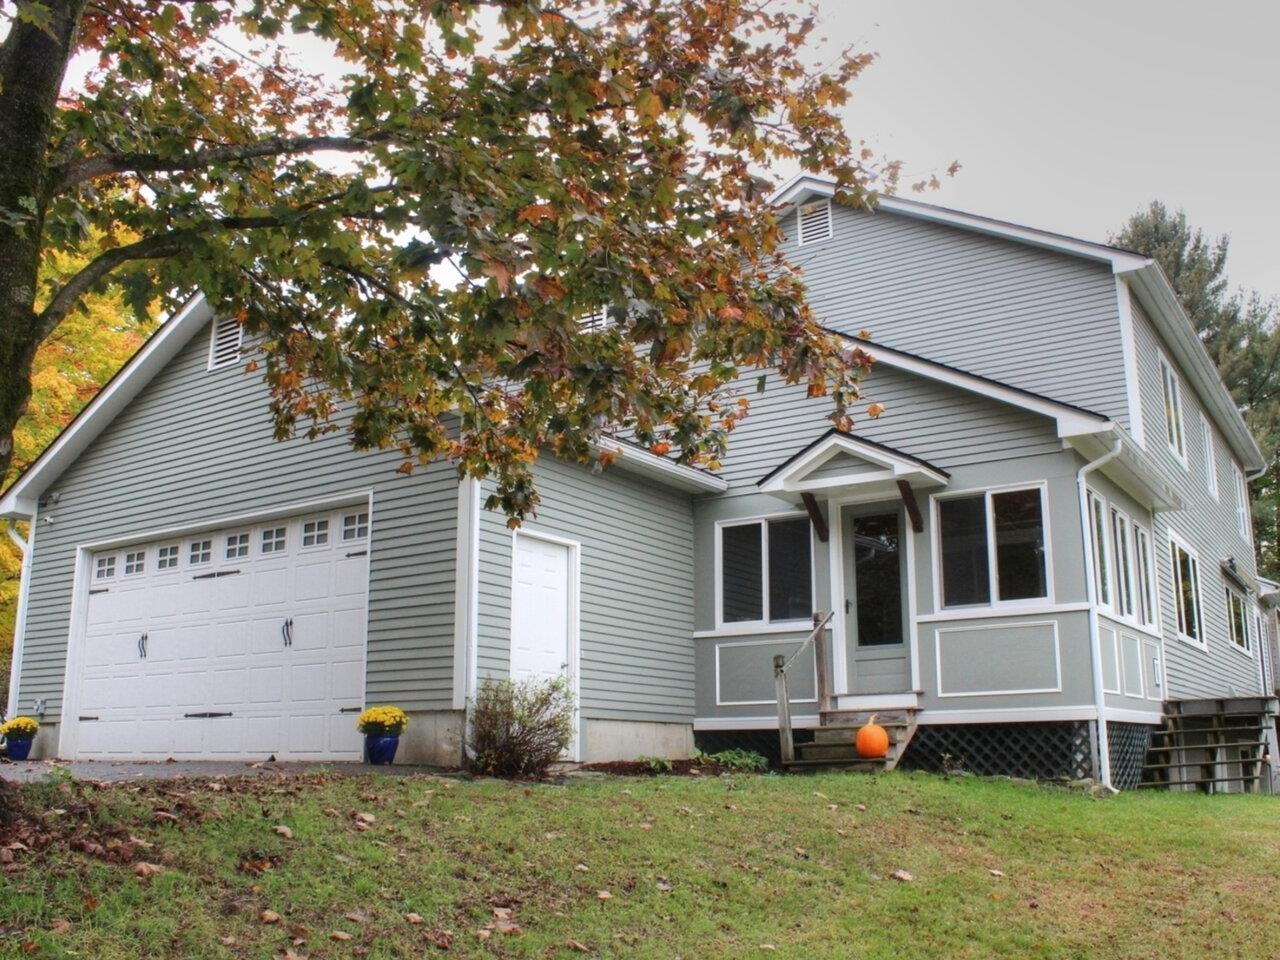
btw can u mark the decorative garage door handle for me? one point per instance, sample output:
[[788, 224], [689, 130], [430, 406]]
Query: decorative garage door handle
[[349, 710], [207, 715], [142, 647], [286, 632]]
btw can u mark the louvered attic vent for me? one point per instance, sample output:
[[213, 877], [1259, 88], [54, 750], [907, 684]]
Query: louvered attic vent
[[814, 221], [224, 345], [594, 320]]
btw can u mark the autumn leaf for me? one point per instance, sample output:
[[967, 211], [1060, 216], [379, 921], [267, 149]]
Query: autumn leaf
[[874, 410], [60, 927], [413, 918], [283, 831], [269, 916], [145, 871], [534, 213]]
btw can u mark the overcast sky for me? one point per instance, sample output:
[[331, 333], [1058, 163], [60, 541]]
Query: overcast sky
[[1071, 116]]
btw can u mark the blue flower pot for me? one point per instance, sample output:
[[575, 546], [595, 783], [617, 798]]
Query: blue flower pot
[[21, 749], [380, 749]]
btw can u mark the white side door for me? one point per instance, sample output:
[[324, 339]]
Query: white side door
[[541, 609]]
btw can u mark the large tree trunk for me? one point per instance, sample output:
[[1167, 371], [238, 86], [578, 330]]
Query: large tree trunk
[[32, 64]]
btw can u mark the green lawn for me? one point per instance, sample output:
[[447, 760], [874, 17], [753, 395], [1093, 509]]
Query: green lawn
[[741, 867]]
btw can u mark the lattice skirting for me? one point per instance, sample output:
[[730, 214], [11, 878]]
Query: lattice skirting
[[764, 742], [1040, 751], [1129, 743]]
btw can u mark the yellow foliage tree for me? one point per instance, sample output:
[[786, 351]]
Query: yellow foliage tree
[[70, 367]]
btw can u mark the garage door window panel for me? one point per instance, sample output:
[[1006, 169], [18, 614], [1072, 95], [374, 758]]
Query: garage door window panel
[[315, 533], [200, 551], [237, 546], [355, 526], [104, 568]]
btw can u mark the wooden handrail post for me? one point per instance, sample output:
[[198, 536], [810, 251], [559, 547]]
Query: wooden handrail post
[[785, 740], [821, 662]]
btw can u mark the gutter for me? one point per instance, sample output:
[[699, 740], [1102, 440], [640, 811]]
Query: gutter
[[1091, 596], [20, 616]]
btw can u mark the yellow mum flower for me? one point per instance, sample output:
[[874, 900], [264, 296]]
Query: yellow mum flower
[[384, 721], [20, 728]]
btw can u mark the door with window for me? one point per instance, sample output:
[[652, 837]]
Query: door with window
[[875, 610]]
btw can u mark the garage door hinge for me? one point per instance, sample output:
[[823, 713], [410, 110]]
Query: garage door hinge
[[99, 590], [357, 553], [207, 715], [83, 719], [215, 575]]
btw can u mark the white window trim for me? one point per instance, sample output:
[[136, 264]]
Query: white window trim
[[1202, 643], [1169, 376], [1243, 520], [1125, 563], [939, 603], [1210, 457], [1102, 553], [1152, 590], [750, 626], [1247, 610]]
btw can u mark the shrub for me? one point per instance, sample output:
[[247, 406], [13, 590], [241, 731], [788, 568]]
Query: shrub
[[657, 764], [518, 729], [744, 761], [382, 722]]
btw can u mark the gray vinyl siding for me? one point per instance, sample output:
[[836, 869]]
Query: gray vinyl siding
[[1208, 524], [637, 580], [932, 421], [196, 446], [1030, 317]]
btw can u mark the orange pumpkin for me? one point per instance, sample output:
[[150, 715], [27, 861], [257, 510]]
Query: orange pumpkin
[[872, 741]]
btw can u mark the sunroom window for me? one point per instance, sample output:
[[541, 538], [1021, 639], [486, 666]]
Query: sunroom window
[[993, 544], [766, 571]]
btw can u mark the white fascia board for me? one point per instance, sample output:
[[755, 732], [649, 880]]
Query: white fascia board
[[1071, 422], [1153, 288], [19, 501], [808, 185], [792, 479], [636, 460]]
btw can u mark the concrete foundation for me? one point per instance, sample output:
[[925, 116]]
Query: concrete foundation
[[628, 739], [434, 738]]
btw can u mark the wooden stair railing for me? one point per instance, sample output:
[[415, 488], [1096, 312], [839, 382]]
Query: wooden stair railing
[[781, 664]]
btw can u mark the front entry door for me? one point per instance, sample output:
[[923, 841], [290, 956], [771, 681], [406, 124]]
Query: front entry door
[[875, 610]]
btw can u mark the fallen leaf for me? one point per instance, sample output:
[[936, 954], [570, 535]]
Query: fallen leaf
[[507, 927], [146, 871], [665, 886], [575, 945], [227, 941], [902, 876], [645, 825], [603, 895], [833, 806], [484, 933], [767, 946], [164, 816], [365, 818], [6, 855], [283, 831], [355, 916], [60, 926], [339, 935], [269, 916], [503, 913], [862, 807], [440, 939], [996, 873], [802, 853], [581, 868], [412, 918]]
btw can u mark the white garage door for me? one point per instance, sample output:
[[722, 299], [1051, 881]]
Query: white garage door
[[242, 642]]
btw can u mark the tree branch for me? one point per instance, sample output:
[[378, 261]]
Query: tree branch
[[87, 168]]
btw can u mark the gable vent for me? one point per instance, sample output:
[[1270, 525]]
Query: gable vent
[[814, 221], [224, 346], [594, 320]]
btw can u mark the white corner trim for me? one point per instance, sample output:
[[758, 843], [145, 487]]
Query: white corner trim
[[20, 615], [466, 598], [173, 334], [1129, 354]]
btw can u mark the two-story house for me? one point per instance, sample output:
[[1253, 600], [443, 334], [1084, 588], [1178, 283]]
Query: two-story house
[[1036, 555]]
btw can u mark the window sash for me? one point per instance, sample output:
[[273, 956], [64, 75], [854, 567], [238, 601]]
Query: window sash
[[765, 590], [1242, 504], [989, 591], [1210, 459], [1237, 619], [1186, 583], [1146, 580], [1122, 549], [1101, 549]]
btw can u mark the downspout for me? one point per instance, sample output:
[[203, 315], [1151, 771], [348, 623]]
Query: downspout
[[1091, 595], [20, 616]]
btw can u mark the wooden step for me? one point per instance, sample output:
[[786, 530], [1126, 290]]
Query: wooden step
[[857, 718], [856, 766], [847, 733], [1230, 744]]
